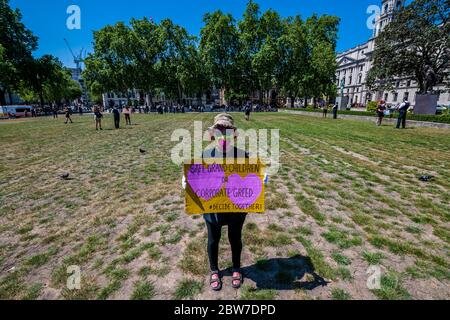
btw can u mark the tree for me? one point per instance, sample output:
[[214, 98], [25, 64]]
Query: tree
[[250, 41], [219, 47], [176, 53], [415, 44], [146, 49], [267, 62], [18, 43], [308, 56], [48, 81], [111, 66]]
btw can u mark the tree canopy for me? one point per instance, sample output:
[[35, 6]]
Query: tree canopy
[[416, 43], [260, 53], [35, 79]]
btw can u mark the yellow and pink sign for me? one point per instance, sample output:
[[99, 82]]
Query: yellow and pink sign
[[224, 187]]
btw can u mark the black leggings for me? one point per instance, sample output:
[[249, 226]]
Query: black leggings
[[235, 225]]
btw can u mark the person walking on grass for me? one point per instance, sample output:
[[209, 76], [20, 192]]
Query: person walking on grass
[[98, 118], [223, 132], [248, 110], [380, 112], [67, 113], [127, 112], [116, 115], [402, 111]]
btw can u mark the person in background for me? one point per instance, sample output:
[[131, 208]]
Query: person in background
[[116, 115], [55, 112], [248, 110], [402, 111], [67, 113], [324, 110], [127, 112], [380, 112], [98, 118], [335, 110]]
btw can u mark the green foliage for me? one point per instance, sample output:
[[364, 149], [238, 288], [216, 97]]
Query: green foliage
[[16, 46], [415, 43], [187, 289], [340, 294], [416, 117], [372, 106], [143, 291], [340, 259], [257, 53], [391, 288], [373, 258], [249, 293]]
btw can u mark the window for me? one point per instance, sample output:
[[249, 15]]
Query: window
[[406, 95], [395, 97], [360, 79], [408, 84], [386, 96], [397, 84], [350, 80], [361, 68], [386, 8]]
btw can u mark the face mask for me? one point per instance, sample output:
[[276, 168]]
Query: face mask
[[224, 141]]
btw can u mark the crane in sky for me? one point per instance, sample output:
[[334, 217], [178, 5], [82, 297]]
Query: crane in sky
[[77, 59]]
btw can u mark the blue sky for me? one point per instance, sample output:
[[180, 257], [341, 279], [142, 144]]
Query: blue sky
[[47, 18]]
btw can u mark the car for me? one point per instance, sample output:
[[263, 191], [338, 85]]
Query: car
[[440, 109]]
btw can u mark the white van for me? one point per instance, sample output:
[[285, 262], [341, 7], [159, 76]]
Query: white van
[[15, 111]]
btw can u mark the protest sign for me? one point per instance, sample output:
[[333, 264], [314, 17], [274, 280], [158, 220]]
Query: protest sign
[[224, 187]]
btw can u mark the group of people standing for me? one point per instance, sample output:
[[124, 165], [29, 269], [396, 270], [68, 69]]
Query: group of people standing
[[334, 109], [383, 111], [116, 115]]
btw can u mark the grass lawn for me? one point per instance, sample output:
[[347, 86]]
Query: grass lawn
[[347, 197]]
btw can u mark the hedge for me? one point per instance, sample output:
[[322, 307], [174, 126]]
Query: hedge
[[417, 117]]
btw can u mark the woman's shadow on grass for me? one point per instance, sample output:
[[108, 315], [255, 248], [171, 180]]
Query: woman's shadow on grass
[[296, 272]]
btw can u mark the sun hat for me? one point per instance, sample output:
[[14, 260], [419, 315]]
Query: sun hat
[[224, 120]]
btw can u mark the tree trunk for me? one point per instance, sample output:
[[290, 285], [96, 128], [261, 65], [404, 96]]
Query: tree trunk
[[2, 97], [10, 97], [41, 100], [179, 93]]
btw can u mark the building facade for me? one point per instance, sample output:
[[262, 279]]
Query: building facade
[[355, 63]]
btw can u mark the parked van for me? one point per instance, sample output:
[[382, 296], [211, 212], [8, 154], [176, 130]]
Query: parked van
[[15, 111]]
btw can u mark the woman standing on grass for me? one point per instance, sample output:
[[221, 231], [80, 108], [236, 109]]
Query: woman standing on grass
[[127, 112], [98, 118], [380, 112], [223, 132]]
